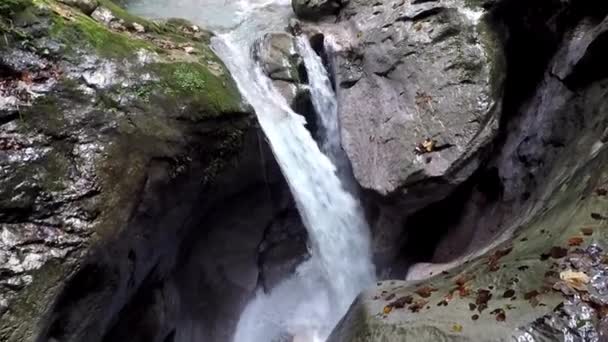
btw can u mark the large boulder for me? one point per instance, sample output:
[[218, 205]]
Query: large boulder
[[420, 86]]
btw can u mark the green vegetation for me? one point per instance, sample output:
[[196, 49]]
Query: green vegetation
[[107, 43], [192, 83]]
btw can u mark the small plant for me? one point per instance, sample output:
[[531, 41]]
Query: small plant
[[188, 80]]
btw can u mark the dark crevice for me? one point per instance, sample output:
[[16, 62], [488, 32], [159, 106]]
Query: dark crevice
[[91, 280], [592, 67], [170, 337], [428, 226]]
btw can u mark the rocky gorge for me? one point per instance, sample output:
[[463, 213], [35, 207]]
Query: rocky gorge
[[144, 198]]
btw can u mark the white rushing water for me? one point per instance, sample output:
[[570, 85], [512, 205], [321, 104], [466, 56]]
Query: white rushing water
[[311, 302]]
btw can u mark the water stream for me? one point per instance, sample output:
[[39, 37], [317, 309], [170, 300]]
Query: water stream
[[306, 306]]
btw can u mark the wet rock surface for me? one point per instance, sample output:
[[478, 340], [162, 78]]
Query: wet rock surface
[[277, 56], [314, 9], [418, 71], [525, 236], [116, 138]]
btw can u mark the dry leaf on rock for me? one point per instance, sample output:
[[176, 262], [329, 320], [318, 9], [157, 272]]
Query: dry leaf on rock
[[575, 280]]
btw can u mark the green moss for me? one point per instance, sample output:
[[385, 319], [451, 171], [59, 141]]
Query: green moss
[[45, 115], [193, 84], [106, 43], [127, 17], [54, 171]]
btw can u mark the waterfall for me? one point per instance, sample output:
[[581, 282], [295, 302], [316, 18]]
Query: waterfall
[[312, 301]]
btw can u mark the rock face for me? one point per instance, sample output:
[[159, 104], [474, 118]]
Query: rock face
[[539, 199], [117, 147], [415, 71], [277, 55], [314, 9]]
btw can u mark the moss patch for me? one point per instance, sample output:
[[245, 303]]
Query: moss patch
[[106, 43], [193, 85]]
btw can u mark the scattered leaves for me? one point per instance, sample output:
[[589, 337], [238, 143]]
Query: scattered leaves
[[603, 191]]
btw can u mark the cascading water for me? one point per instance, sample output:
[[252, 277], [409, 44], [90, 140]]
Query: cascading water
[[307, 305], [311, 302]]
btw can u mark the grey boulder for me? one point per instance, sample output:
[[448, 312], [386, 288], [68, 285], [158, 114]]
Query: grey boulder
[[417, 71]]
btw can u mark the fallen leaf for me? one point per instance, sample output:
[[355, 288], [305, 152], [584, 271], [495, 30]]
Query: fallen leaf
[[464, 291], [495, 258], [531, 294], [601, 191], [575, 241], [575, 280], [475, 317], [390, 297], [501, 317], [417, 306], [472, 306], [457, 328], [523, 268], [534, 302], [597, 216], [509, 293], [558, 252], [387, 309], [425, 292], [483, 296], [587, 231], [402, 302], [463, 279]]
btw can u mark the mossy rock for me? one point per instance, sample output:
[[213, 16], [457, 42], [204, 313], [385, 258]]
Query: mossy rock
[[84, 154]]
